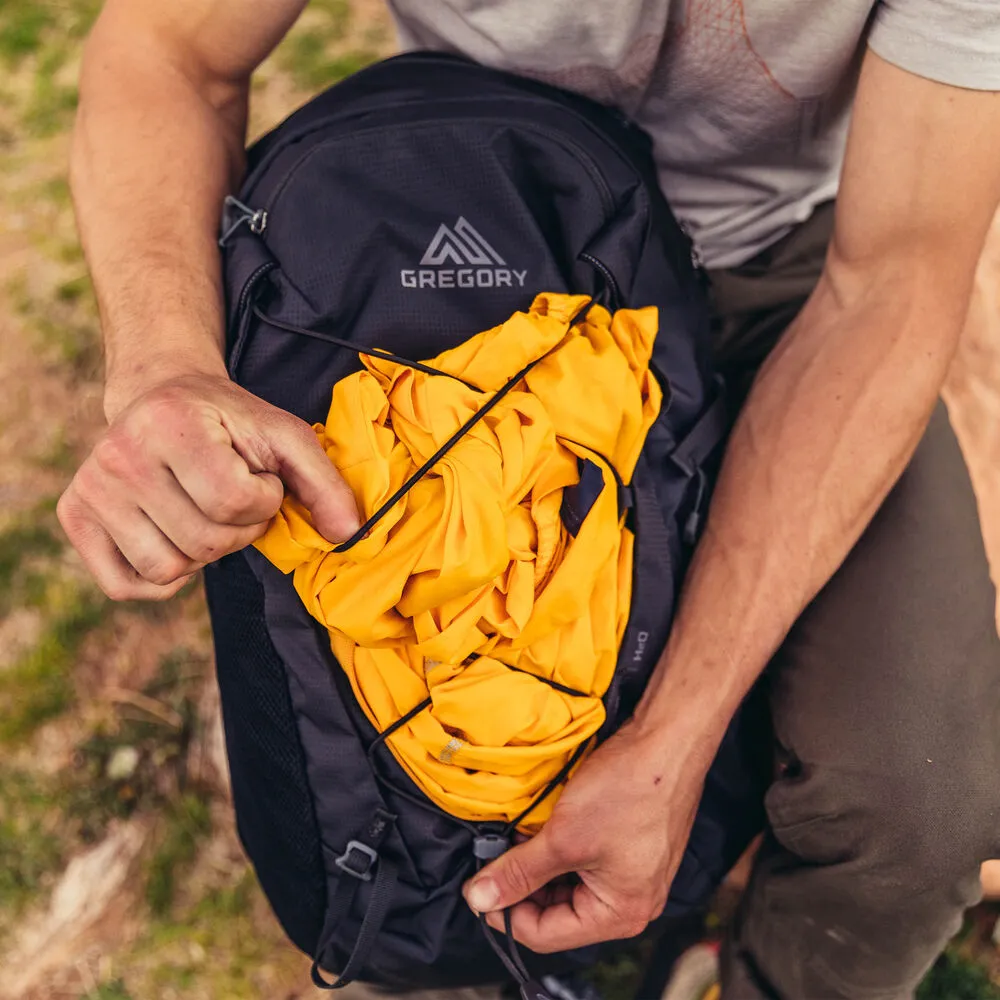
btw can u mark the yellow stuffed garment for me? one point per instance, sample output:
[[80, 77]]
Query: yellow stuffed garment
[[470, 588]]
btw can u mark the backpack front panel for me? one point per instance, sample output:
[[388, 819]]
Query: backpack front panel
[[411, 225]]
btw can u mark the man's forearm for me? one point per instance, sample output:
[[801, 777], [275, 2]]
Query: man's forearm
[[153, 155], [840, 405], [831, 422]]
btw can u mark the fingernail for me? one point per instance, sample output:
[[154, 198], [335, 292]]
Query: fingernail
[[483, 895]]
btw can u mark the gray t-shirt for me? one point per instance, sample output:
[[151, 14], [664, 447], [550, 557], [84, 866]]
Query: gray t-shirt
[[747, 100]]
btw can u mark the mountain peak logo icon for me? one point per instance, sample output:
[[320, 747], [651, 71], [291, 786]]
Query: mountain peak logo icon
[[460, 245]]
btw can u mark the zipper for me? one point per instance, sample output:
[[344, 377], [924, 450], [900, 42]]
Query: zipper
[[249, 284], [579, 153], [605, 272], [583, 158], [240, 326], [334, 119]]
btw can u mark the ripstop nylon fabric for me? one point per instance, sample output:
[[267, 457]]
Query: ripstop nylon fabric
[[473, 572]]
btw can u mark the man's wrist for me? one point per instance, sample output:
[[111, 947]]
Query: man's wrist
[[683, 732], [127, 380], [688, 704]]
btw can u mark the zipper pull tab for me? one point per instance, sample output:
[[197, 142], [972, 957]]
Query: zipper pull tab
[[235, 213]]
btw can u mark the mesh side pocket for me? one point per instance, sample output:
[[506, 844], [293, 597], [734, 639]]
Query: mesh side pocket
[[271, 794]]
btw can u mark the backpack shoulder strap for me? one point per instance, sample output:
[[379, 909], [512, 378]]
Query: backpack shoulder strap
[[709, 430]]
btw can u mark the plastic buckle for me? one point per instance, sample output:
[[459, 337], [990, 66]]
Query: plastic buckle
[[347, 862], [488, 846]]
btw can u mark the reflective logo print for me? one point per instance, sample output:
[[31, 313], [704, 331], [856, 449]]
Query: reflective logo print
[[471, 261]]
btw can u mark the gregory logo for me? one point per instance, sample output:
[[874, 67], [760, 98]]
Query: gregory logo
[[460, 257]]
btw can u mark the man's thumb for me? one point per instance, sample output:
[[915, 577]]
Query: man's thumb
[[514, 876], [310, 475]]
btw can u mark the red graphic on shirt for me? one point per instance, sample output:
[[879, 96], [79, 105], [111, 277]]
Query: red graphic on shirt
[[715, 33]]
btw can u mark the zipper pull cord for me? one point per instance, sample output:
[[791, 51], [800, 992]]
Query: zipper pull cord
[[235, 213]]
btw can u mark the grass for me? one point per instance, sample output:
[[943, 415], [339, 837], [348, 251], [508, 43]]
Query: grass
[[307, 57], [214, 948], [350, 63], [155, 734], [52, 102], [46, 32], [77, 343], [213, 945], [56, 190], [313, 52], [187, 823], [64, 319], [69, 252], [50, 108], [22, 27], [31, 849], [161, 737], [114, 990], [28, 26], [74, 289], [27, 539], [38, 686], [60, 456], [619, 977], [41, 819], [955, 977]]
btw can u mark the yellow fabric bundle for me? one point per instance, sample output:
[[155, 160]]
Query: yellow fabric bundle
[[473, 573]]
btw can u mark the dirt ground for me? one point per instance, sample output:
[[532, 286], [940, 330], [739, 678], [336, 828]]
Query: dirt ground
[[121, 877]]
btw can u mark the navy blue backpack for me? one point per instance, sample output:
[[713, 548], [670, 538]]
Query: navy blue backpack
[[407, 208]]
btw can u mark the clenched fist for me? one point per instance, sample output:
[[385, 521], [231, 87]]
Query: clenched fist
[[189, 471]]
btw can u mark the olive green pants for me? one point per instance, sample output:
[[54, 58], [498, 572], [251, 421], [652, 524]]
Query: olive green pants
[[885, 702]]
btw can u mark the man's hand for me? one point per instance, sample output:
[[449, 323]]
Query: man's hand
[[620, 827], [189, 471]]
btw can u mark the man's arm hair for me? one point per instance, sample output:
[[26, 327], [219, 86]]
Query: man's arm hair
[[191, 466], [158, 143], [840, 405]]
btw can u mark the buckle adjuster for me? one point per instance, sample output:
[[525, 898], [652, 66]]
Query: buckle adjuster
[[360, 867]]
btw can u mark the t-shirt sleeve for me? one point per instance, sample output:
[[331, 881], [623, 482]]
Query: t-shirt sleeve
[[952, 41]]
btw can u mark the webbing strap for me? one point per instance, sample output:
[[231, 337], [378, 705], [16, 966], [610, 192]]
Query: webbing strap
[[356, 864], [699, 442], [375, 914]]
